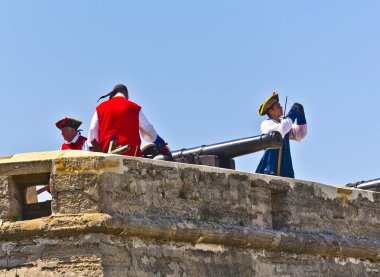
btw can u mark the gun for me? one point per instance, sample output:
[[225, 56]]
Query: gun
[[219, 154]]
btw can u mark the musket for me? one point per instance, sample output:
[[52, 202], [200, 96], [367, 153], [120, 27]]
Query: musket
[[286, 102]]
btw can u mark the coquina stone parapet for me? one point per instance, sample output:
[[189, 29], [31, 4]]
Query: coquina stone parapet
[[112, 215]]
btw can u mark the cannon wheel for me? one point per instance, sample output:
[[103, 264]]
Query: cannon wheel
[[149, 151]]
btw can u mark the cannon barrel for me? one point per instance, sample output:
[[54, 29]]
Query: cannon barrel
[[371, 184], [232, 148]]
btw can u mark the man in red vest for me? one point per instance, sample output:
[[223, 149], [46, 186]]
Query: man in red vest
[[71, 134], [73, 139], [122, 121]]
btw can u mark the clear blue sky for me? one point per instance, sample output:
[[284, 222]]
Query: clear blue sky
[[200, 70]]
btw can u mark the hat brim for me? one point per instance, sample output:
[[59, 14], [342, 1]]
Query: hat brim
[[68, 122], [268, 103]]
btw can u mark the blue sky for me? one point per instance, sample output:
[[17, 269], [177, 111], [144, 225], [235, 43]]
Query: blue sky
[[200, 70]]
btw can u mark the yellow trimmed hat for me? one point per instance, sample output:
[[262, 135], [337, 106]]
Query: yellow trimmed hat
[[271, 100], [68, 122]]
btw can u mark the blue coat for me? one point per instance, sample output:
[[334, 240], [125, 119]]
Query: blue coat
[[268, 163]]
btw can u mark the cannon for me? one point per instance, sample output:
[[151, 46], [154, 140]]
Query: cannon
[[368, 185], [218, 154]]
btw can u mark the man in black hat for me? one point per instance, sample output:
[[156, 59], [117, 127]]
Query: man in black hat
[[71, 134], [292, 126], [119, 121]]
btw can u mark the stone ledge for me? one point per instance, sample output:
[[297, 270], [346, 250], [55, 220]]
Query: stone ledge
[[39, 162], [195, 232]]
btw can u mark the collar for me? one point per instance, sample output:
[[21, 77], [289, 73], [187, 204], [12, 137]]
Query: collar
[[119, 94], [277, 121], [74, 140]]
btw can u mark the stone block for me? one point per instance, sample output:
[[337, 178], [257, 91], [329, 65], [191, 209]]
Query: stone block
[[10, 199]]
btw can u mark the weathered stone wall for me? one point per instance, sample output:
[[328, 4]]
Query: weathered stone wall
[[10, 199], [123, 216]]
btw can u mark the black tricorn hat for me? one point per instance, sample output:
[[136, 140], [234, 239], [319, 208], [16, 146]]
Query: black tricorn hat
[[268, 103], [68, 122]]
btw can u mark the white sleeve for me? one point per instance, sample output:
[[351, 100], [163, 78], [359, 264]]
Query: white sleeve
[[85, 147], [283, 127], [298, 132], [93, 132], [147, 130]]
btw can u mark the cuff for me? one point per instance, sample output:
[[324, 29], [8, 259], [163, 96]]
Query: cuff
[[301, 119], [159, 141], [292, 114]]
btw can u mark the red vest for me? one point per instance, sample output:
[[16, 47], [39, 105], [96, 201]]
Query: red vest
[[119, 117], [75, 145]]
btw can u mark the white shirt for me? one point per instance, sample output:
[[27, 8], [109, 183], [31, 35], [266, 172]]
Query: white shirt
[[147, 130], [297, 132], [85, 146]]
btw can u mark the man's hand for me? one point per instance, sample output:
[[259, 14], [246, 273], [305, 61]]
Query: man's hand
[[301, 119], [163, 149], [299, 106], [294, 111]]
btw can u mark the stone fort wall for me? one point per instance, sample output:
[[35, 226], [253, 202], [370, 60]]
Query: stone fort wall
[[112, 215]]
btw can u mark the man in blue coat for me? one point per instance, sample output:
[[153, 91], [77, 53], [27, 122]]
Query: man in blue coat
[[292, 126]]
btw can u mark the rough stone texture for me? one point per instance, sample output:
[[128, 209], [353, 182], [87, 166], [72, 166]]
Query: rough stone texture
[[184, 192], [122, 216], [109, 255], [10, 199], [310, 208]]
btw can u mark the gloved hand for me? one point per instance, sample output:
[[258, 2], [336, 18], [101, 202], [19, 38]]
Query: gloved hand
[[301, 119], [294, 111], [166, 152], [300, 106], [163, 149]]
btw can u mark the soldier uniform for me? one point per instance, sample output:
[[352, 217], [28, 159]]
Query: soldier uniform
[[71, 134], [293, 126], [122, 121]]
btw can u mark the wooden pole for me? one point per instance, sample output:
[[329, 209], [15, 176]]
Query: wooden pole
[[279, 161]]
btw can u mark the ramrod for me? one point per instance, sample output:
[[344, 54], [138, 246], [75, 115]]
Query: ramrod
[[219, 154]]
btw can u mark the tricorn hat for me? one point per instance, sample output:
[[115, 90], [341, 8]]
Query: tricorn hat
[[68, 122], [271, 100]]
